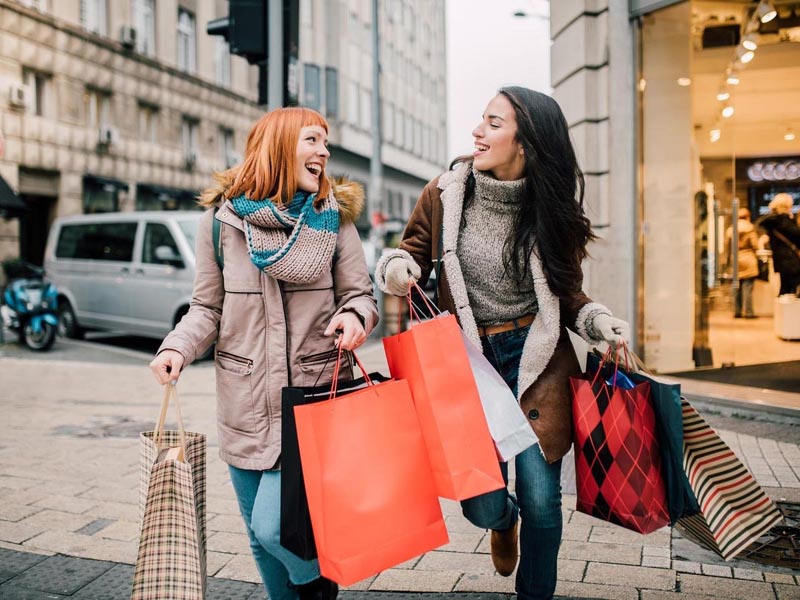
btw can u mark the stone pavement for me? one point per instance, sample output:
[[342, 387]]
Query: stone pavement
[[69, 490]]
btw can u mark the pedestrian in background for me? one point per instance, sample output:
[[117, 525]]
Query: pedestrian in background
[[784, 240], [294, 274], [746, 246], [509, 230]]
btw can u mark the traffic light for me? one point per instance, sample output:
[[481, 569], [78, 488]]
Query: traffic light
[[245, 29]]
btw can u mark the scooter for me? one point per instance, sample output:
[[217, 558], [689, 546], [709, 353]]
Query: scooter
[[30, 306]]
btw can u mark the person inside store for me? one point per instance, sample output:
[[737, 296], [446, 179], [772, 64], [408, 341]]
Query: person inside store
[[506, 231], [293, 284], [784, 241], [746, 247]]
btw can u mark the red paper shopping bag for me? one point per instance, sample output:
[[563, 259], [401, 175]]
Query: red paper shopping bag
[[370, 489], [431, 356]]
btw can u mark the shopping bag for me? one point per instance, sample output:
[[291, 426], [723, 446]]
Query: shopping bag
[[432, 357], [734, 510], [370, 489], [297, 534], [171, 559], [617, 455], [508, 425], [666, 401]]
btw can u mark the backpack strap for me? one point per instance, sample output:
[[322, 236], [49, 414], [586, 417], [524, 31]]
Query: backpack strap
[[216, 227]]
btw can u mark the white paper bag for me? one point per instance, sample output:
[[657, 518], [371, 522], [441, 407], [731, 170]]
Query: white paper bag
[[507, 423]]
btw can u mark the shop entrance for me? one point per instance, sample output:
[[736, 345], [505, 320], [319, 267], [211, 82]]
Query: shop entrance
[[719, 82]]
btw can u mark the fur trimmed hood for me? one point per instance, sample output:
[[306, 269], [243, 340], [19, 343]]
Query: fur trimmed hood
[[349, 195]]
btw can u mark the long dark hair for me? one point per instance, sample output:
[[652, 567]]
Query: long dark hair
[[551, 213]]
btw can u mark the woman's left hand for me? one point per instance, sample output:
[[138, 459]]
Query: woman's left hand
[[351, 334], [612, 330]]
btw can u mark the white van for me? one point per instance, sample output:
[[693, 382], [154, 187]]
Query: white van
[[127, 272]]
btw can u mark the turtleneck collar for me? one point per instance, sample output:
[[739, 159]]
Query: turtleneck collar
[[503, 195]]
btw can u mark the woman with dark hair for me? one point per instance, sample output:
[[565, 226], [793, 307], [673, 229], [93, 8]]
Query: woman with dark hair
[[508, 230], [285, 286]]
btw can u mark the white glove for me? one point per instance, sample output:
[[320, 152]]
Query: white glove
[[398, 275], [612, 330]]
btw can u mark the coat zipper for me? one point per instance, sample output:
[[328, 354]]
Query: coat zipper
[[234, 358]]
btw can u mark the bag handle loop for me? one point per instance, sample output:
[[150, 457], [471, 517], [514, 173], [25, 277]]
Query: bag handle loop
[[170, 390], [337, 368]]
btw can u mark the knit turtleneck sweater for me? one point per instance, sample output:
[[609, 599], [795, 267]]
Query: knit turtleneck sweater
[[487, 222]]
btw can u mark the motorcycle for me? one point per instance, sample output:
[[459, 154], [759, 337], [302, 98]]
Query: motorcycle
[[30, 305]]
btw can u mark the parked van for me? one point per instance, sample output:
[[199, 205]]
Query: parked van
[[128, 272]]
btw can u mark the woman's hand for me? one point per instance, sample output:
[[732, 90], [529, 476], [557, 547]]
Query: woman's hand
[[167, 365], [400, 274], [612, 330], [351, 331]]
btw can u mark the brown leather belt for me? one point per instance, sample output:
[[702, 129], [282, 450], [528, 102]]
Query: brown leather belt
[[507, 326]]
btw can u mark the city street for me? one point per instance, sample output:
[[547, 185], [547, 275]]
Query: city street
[[69, 477]]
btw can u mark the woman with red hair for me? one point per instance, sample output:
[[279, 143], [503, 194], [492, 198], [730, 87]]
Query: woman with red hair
[[291, 275]]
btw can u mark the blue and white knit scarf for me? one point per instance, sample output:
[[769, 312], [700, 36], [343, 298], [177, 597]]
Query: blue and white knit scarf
[[292, 243]]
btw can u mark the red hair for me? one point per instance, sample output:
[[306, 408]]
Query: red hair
[[268, 169]]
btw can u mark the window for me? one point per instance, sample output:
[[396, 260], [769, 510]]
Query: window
[[388, 122], [157, 235], [144, 21], [40, 86], [148, 123], [97, 241], [222, 62], [352, 102], [98, 108], [311, 87], [409, 135], [331, 92], [94, 17], [186, 41], [189, 136], [226, 147], [399, 129], [366, 109], [40, 5]]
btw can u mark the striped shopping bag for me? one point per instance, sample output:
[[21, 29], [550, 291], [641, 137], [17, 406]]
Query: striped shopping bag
[[734, 510], [171, 559]]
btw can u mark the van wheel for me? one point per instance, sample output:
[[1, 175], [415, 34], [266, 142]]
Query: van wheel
[[67, 322]]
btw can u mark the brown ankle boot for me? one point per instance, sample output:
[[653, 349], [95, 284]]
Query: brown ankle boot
[[504, 550]]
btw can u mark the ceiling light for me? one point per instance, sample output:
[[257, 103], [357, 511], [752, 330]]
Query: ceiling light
[[727, 112], [766, 11], [750, 41], [733, 79], [684, 81], [723, 95], [744, 55], [789, 135], [714, 135]]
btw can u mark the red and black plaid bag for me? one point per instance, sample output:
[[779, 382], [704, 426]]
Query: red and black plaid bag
[[617, 456]]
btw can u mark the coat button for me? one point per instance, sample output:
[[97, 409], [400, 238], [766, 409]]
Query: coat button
[[533, 414]]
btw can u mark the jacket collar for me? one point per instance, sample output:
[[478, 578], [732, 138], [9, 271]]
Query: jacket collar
[[546, 328]]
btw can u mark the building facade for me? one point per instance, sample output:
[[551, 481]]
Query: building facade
[[130, 105], [684, 112]]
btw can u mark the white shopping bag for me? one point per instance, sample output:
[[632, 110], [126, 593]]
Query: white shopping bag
[[507, 423]]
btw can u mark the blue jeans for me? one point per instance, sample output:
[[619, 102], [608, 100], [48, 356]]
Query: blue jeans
[[259, 495], [744, 298], [538, 491]]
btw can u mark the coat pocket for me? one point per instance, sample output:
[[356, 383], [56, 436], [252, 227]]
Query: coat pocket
[[235, 407], [318, 368]]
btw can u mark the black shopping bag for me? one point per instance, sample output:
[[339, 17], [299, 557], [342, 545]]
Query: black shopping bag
[[296, 533], [666, 400]]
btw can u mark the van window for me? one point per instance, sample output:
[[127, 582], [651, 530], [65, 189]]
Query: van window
[[155, 235], [189, 229], [97, 241]]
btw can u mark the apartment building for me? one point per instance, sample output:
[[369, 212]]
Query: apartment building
[[129, 104]]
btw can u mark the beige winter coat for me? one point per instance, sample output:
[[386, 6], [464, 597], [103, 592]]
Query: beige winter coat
[[267, 331], [747, 246]]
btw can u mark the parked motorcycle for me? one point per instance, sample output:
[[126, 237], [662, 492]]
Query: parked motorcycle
[[30, 305]]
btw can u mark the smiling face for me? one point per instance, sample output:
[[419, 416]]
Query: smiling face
[[311, 158], [497, 150]]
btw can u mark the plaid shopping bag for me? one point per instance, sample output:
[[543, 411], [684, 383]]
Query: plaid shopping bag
[[171, 560], [617, 454]]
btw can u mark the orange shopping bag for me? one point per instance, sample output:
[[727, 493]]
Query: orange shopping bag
[[432, 357], [370, 489]]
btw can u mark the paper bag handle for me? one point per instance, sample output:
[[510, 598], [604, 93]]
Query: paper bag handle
[[170, 389]]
